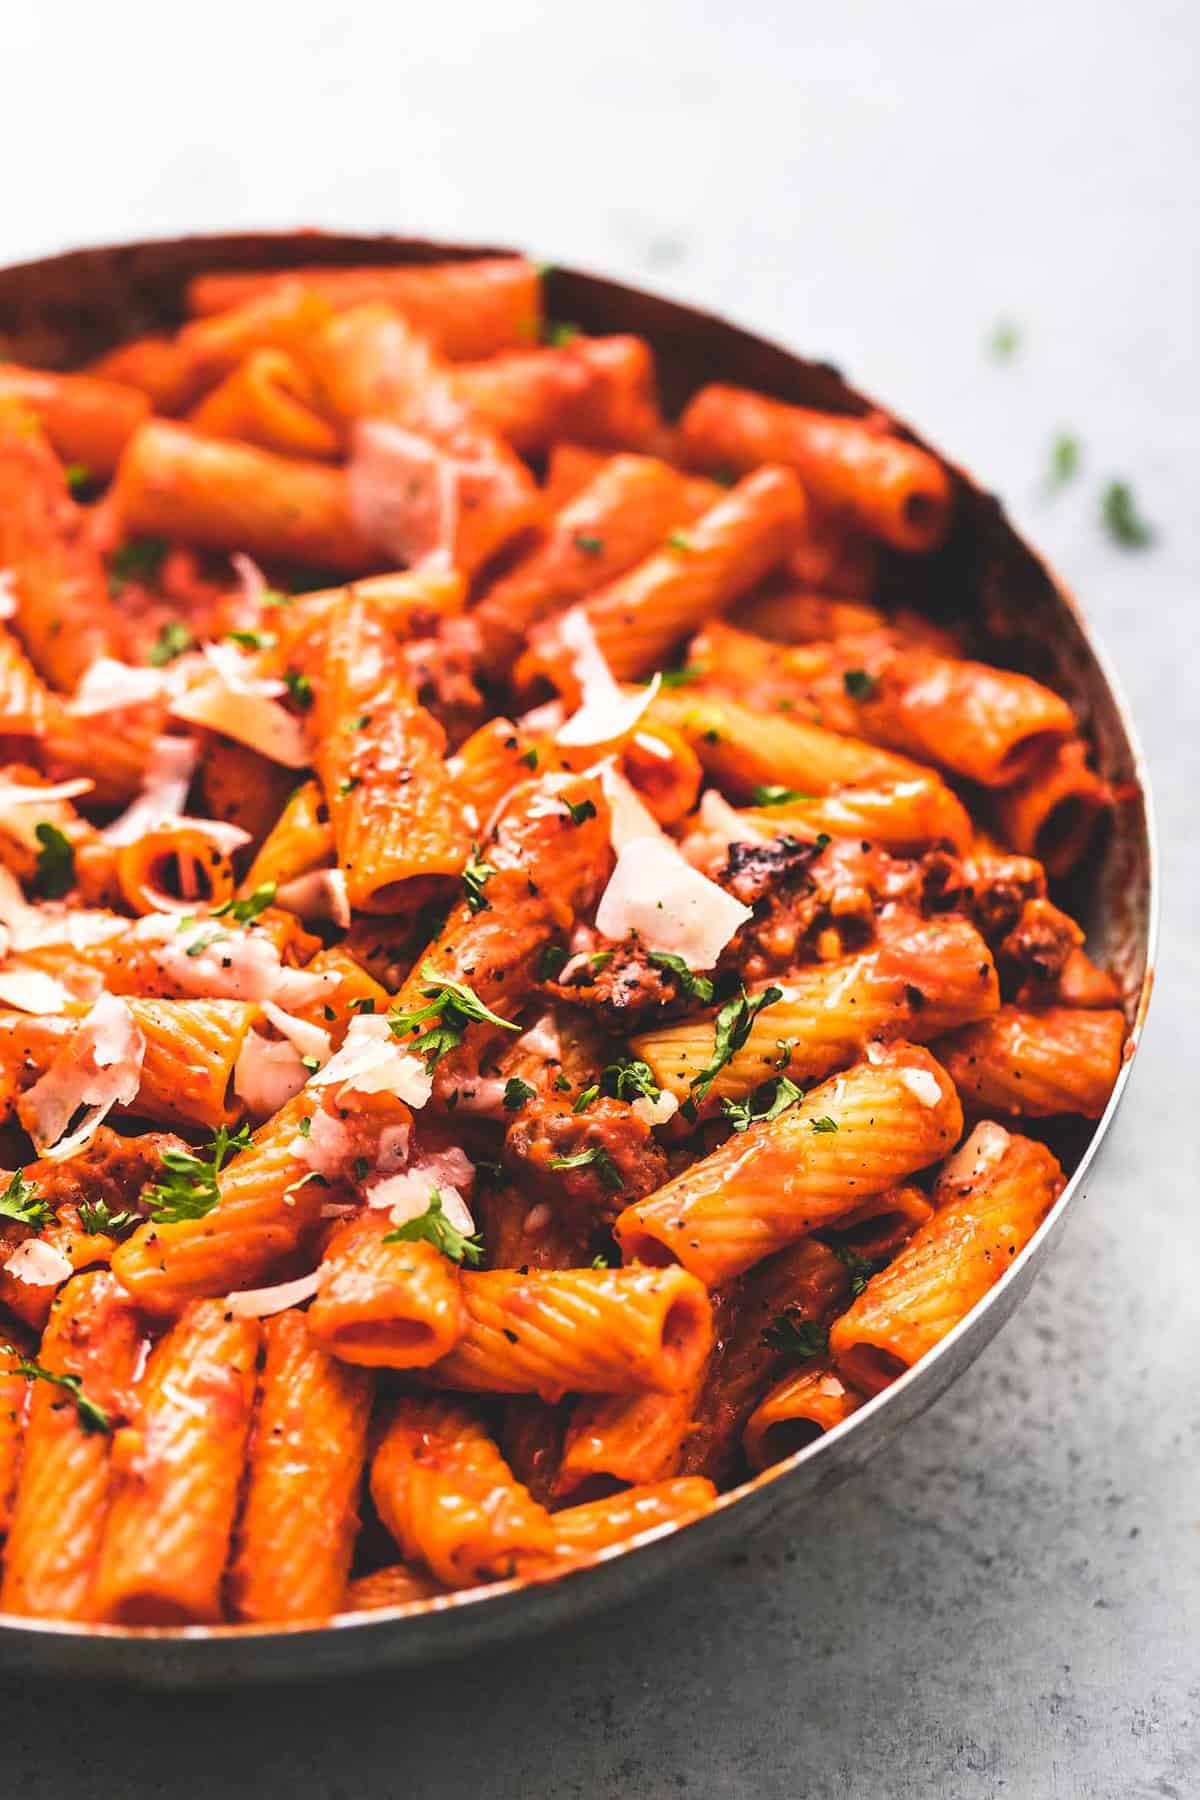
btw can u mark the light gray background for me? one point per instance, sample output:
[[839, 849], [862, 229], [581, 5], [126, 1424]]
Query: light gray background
[[1009, 1603]]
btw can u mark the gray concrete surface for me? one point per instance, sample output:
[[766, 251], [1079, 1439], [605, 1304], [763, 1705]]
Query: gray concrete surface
[[1009, 1605]]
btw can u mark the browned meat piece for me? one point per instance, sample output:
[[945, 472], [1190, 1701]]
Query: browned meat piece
[[442, 668], [110, 1168], [625, 991], [590, 1164], [1033, 955]]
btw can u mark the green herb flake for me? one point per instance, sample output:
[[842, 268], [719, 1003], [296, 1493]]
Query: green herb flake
[[253, 640], [596, 1157], [21, 1201], [55, 862], [79, 477], [1122, 520], [795, 1338], [529, 758], [677, 678], [588, 544], [630, 1080], [140, 559], [452, 1007], [516, 1093], [552, 962], [731, 1030], [679, 540], [560, 333], [691, 986], [173, 640], [347, 785], [99, 1220], [859, 685], [475, 877], [299, 687], [1065, 458], [824, 1123], [244, 912], [778, 796], [766, 1102], [585, 1099], [1004, 340], [580, 810], [433, 1227], [188, 1187], [91, 1417], [859, 1268]]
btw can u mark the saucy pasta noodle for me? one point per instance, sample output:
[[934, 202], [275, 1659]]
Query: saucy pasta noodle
[[520, 965]]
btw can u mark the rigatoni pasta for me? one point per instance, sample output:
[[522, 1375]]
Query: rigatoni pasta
[[503, 916]]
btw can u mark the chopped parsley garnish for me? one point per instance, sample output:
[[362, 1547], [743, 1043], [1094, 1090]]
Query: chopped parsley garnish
[[600, 1261], [91, 1417], [475, 877], [273, 597], [1121, 518], [580, 810], [253, 640], [585, 1099], [311, 1063], [79, 477], [552, 962], [766, 1102], [588, 543], [677, 678], [795, 1338], [452, 1007], [731, 1031], [859, 685], [859, 1268], [55, 862], [597, 1158], [824, 1123], [243, 912], [188, 1187], [1004, 341], [172, 641], [433, 1227], [560, 333], [529, 758], [99, 1220], [200, 944], [629, 1080], [347, 785], [362, 1168], [691, 985], [516, 1093], [138, 560], [1065, 457], [362, 1003], [306, 1127], [599, 959], [299, 687], [771, 795], [20, 1201]]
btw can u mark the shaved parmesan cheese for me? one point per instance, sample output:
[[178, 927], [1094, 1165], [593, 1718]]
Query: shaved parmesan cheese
[[983, 1150], [8, 594], [607, 712], [17, 800], [407, 1196], [321, 894], [251, 581], [655, 1112], [109, 686], [671, 906], [30, 991], [483, 1096], [261, 1303], [99, 1067], [370, 1061], [309, 1040], [267, 1074], [403, 494], [541, 721], [234, 700], [829, 1384], [213, 960], [39, 1264], [168, 776], [924, 1084], [541, 1039], [629, 817]]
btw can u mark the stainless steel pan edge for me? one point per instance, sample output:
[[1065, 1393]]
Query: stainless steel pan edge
[[59, 310]]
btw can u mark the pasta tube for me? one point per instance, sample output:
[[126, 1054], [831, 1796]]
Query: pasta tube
[[177, 1471], [386, 1305], [990, 1199], [1035, 1064], [307, 1455], [816, 1163]]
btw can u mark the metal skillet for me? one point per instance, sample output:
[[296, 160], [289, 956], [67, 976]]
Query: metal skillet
[[63, 309]]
